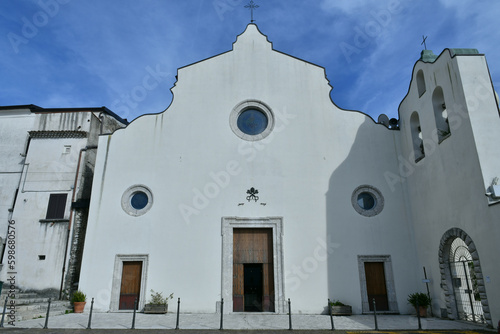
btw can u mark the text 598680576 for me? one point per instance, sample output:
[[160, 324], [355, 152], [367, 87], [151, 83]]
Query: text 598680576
[[11, 271], [11, 246]]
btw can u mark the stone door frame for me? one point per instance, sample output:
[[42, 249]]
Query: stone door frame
[[446, 280], [274, 223], [389, 282], [117, 280]]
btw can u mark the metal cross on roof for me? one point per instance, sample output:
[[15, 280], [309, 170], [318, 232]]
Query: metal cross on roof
[[251, 6], [423, 42]]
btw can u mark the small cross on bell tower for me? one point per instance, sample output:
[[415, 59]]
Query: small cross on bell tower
[[423, 42], [251, 6]]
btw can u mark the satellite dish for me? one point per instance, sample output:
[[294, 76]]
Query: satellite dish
[[383, 119], [393, 123]]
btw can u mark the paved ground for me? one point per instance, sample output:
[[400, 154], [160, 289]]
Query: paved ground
[[243, 323], [214, 331]]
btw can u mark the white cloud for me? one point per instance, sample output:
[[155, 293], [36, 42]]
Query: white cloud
[[347, 6], [94, 52]]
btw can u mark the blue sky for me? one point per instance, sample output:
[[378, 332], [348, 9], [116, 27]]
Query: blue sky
[[92, 53]]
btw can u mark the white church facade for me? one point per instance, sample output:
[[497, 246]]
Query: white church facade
[[253, 187]]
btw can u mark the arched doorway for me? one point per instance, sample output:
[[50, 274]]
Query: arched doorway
[[461, 278]]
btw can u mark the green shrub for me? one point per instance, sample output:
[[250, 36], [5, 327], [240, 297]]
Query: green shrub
[[78, 296], [158, 299], [422, 298], [337, 303]]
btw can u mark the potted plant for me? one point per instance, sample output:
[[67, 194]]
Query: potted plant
[[78, 300], [157, 304], [422, 300], [339, 308]]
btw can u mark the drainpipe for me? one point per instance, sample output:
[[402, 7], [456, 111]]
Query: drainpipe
[[101, 118], [71, 215]]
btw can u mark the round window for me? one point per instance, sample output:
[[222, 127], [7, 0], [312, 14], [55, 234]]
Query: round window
[[137, 200], [367, 200], [252, 122]]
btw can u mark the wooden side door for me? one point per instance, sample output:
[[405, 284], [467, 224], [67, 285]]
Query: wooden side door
[[375, 285], [130, 284]]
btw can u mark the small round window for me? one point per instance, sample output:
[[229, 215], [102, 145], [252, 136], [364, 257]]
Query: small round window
[[367, 200], [251, 120], [137, 200]]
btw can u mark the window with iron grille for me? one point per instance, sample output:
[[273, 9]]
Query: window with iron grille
[[57, 204]]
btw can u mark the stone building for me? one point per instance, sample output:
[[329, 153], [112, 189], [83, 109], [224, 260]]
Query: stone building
[[46, 170]]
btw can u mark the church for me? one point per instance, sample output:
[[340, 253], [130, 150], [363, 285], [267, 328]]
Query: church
[[254, 188]]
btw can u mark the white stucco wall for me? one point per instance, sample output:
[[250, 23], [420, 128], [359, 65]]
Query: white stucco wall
[[48, 170], [446, 189], [14, 126], [199, 171], [48, 167]]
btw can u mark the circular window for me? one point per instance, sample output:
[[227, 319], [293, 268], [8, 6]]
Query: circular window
[[251, 120], [137, 200], [367, 200]]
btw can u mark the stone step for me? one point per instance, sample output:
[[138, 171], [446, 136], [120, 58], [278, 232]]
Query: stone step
[[30, 301], [43, 306], [21, 295], [39, 310], [37, 315], [30, 305]]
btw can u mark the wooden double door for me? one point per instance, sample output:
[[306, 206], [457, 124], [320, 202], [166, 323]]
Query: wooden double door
[[253, 270]]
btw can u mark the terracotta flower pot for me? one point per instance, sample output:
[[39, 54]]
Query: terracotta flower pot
[[422, 310], [79, 306]]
